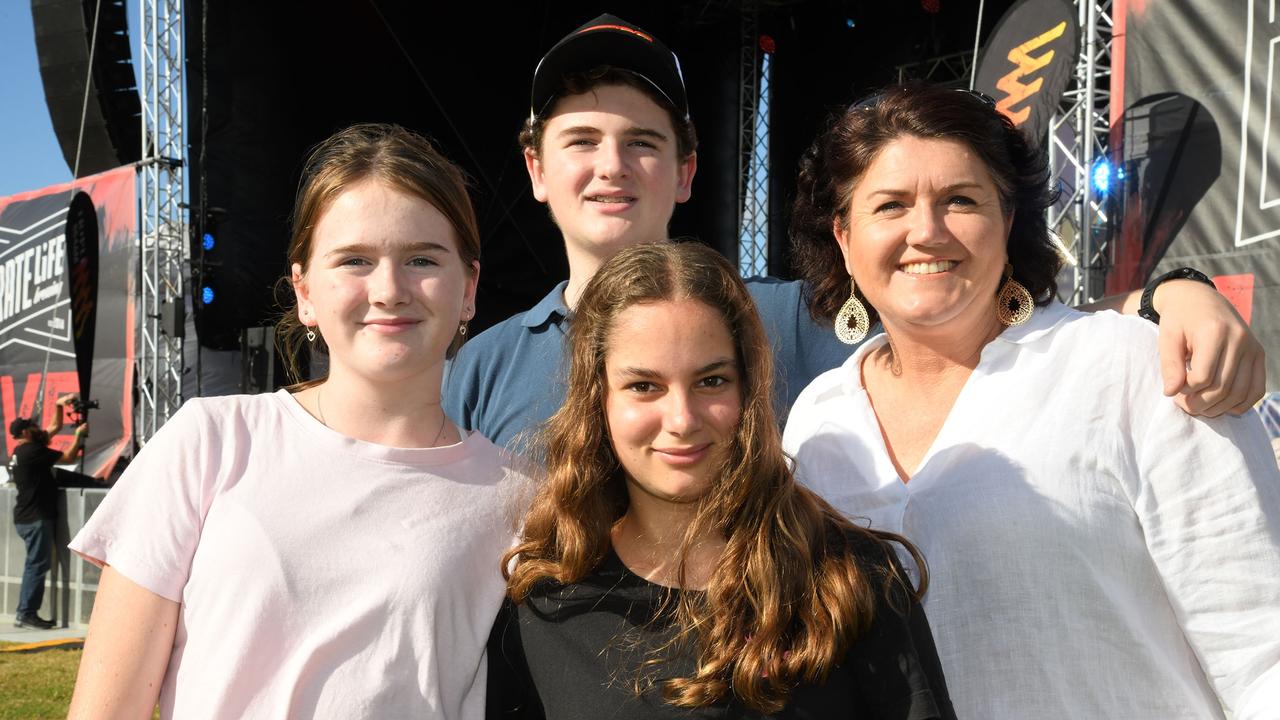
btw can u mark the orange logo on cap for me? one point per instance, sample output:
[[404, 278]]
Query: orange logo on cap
[[623, 28]]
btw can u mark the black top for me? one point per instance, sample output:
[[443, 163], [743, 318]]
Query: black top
[[37, 489], [576, 650]]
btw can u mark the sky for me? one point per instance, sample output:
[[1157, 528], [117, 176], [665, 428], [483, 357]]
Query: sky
[[30, 157]]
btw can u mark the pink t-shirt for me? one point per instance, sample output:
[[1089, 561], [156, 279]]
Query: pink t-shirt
[[319, 576]]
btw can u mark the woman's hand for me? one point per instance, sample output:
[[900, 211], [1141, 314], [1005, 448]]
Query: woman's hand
[[1208, 356]]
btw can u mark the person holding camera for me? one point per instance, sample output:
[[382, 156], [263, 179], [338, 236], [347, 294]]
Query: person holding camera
[[36, 507]]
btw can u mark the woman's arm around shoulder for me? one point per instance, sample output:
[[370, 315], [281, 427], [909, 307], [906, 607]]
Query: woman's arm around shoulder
[[1210, 361], [126, 652]]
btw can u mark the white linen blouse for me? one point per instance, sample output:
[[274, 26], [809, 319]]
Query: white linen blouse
[[1093, 551]]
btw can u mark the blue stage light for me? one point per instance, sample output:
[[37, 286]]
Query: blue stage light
[[206, 295], [1102, 176], [849, 23], [207, 241]]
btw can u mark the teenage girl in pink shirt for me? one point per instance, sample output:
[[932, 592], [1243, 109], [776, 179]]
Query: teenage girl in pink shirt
[[327, 550]]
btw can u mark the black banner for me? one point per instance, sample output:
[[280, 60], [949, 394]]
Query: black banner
[[82, 271], [1029, 60]]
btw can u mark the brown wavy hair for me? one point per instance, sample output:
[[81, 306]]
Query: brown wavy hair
[[397, 157], [795, 587], [843, 152]]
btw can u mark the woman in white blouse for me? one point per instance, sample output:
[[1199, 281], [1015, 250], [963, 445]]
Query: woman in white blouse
[[1094, 551]]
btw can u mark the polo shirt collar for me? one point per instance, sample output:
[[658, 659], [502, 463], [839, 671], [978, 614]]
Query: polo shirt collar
[[549, 309]]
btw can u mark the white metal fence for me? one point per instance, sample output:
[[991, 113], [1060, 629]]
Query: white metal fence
[[72, 583]]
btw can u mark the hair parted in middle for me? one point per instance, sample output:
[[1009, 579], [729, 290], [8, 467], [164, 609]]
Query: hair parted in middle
[[790, 594], [391, 154], [840, 156]]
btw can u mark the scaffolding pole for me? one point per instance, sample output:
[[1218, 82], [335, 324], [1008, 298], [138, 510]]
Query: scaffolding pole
[[1079, 134], [753, 150], [162, 243]]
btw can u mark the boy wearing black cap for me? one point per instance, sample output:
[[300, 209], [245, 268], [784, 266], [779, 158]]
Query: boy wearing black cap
[[608, 144], [610, 148], [36, 507]]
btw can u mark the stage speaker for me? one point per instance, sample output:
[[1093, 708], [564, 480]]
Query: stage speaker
[[64, 30], [258, 359]]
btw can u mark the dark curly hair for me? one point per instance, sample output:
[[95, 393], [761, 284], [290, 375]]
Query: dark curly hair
[[853, 139]]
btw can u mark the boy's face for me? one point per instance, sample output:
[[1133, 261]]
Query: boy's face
[[609, 170]]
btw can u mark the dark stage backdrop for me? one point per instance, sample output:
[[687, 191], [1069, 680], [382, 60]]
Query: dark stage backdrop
[[269, 80], [1200, 141], [36, 311]]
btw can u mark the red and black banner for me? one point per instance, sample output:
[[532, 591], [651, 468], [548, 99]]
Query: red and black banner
[[1196, 129], [56, 307], [1028, 62]]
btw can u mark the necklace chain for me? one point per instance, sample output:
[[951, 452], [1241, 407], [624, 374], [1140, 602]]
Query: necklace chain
[[439, 432]]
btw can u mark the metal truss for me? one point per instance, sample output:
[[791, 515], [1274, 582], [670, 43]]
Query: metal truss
[[753, 150], [162, 243], [944, 69], [1079, 134]]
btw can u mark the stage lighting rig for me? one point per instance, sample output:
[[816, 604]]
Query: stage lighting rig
[[1102, 175]]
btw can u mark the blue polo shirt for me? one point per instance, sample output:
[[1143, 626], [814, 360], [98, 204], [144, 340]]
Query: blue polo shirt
[[511, 377]]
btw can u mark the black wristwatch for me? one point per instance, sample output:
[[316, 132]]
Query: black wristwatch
[[1145, 310]]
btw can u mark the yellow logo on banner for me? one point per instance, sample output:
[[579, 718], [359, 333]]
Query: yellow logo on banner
[[1013, 87]]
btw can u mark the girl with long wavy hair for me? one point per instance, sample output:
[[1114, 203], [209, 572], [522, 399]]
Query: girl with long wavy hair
[[670, 566]]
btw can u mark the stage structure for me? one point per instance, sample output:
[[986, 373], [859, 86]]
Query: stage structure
[[162, 243], [753, 147], [1078, 136], [952, 68], [825, 55]]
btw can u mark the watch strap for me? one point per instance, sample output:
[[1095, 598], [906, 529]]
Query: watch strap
[[1146, 310]]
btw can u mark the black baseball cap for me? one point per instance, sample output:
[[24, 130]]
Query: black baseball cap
[[610, 40]]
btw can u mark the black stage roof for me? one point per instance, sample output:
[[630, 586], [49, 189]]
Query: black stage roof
[[282, 76]]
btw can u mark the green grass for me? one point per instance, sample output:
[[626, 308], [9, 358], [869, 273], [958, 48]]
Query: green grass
[[37, 685]]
